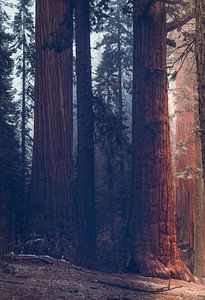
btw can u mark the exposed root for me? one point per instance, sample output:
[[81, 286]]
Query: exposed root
[[178, 270], [153, 267]]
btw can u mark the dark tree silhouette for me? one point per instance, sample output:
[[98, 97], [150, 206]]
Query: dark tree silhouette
[[10, 190], [85, 196], [23, 27]]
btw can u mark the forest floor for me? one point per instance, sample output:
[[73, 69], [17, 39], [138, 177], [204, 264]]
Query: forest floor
[[34, 278]]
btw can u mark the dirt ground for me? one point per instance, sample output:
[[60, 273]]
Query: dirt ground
[[33, 278]]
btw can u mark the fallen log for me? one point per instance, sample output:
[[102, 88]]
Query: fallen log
[[27, 257]]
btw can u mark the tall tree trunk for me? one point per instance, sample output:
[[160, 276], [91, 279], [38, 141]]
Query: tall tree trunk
[[85, 159], [152, 227], [120, 95], [200, 62], [185, 95], [199, 207], [52, 157], [23, 116]]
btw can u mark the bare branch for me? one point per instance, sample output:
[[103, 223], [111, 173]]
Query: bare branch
[[171, 43], [180, 22], [174, 2]]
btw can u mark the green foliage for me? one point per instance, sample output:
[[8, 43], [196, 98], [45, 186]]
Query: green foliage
[[23, 28], [99, 13], [112, 89], [116, 47], [9, 146]]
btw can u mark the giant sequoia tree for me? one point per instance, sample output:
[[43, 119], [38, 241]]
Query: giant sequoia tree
[[85, 196], [50, 197], [152, 228]]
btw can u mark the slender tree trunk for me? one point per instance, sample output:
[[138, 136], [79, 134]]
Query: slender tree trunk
[[23, 118], [199, 207], [23, 137], [120, 105], [85, 159], [152, 227], [200, 62], [52, 155]]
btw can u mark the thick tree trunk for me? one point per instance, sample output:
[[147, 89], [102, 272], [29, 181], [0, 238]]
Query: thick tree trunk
[[152, 227], [52, 157], [85, 160]]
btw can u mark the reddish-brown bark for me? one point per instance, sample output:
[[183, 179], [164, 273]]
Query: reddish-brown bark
[[52, 156], [185, 94], [188, 180], [200, 62], [154, 250]]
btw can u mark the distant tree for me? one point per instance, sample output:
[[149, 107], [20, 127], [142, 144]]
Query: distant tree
[[85, 192], [113, 78], [153, 250], [23, 27], [9, 147], [112, 90], [111, 193], [50, 196], [185, 95]]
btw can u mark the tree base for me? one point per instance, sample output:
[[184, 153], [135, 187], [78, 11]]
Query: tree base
[[152, 267]]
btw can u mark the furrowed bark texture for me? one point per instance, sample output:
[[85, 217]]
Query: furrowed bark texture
[[188, 165], [185, 94], [85, 199], [152, 227], [51, 172], [199, 253], [200, 62]]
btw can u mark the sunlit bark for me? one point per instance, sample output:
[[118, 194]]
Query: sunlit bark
[[152, 227], [200, 61]]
